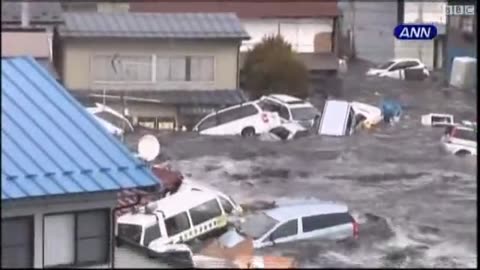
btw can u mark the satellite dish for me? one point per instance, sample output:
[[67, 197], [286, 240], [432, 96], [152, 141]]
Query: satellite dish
[[148, 147]]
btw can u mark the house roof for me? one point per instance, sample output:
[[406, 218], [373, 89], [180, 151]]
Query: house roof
[[40, 12], [177, 97], [51, 145], [153, 25], [245, 9], [48, 66]]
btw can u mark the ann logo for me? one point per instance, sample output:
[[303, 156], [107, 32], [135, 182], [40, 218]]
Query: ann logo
[[415, 31]]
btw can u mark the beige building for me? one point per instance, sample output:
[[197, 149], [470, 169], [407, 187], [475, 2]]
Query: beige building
[[160, 68]]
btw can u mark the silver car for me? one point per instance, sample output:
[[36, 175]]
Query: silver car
[[323, 220]]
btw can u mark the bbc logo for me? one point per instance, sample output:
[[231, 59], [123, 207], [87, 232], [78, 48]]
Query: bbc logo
[[460, 10]]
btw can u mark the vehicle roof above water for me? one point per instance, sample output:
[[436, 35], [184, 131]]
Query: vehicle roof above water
[[170, 206], [141, 219], [183, 200], [405, 59], [285, 213], [284, 98]]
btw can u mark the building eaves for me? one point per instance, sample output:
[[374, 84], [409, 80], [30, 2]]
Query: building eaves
[[52, 146], [153, 25]]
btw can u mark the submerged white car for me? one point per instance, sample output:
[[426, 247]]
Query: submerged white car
[[366, 114], [393, 67], [290, 109], [228, 204], [296, 222], [113, 121], [460, 140], [246, 119]]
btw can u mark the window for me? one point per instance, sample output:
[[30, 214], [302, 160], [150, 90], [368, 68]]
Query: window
[[229, 115], [17, 242], [305, 113], [386, 65], [467, 23], [202, 68], [274, 107], [247, 111], [112, 119], [122, 68], [130, 231], [465, 134], [208, 123], [226, 205], [163, 69], [317, 222], [81, 238], [178, 68], [350, 118], [151, 233], [288, 229], [205, 212], [147, 122], [177, 224]]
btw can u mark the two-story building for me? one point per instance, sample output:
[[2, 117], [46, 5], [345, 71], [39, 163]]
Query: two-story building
[[61, 172], [164, 70], [311, 27]]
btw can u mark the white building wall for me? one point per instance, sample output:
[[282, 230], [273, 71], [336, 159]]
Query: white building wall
[[431, 12], [41, 207], [421, 49], [300, 33], [422, 12]]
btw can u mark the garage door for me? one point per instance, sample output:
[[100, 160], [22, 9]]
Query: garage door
[[17, 242]]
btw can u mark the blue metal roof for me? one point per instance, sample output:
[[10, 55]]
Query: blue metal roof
[[51, 145]]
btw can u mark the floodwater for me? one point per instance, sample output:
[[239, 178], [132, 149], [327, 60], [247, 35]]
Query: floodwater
[[416, 205]]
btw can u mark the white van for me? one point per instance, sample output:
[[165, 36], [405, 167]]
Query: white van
[[113, 121], [246, 119], [338, 119], [175, 219]]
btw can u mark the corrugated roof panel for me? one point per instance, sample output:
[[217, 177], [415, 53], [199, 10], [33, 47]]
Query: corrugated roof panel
[[51, 145], [154, 25]]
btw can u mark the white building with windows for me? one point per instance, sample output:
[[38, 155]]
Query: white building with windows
[[61, 172], [165, 66]]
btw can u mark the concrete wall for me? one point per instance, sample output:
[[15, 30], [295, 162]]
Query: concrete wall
[[421, 49], [39, 207], [300, 33], [371, 24], [426, 12], [77, 54]]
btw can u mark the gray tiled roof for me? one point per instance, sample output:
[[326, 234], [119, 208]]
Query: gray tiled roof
[[42, 12], [153, 25]]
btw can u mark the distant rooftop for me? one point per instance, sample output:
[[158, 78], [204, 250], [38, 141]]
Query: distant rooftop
[[40, 12], [153, 25]]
